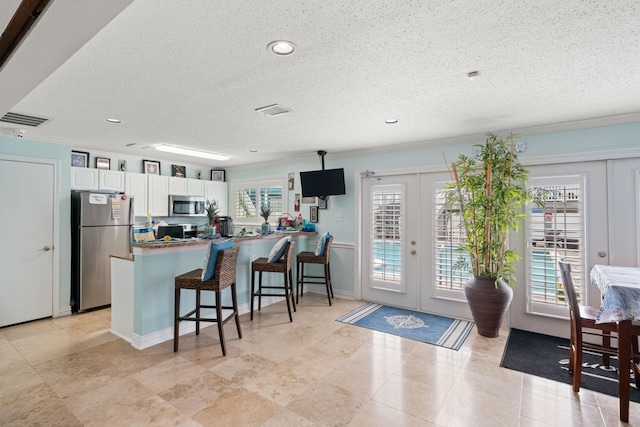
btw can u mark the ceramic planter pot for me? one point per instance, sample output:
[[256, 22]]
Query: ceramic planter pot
[[488, 304]]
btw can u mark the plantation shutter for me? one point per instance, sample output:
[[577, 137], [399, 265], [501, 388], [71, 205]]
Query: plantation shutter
[[555, 231], [448, 235], [387, 228]]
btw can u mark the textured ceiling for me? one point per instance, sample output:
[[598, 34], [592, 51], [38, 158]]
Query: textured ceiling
[[191, 73]]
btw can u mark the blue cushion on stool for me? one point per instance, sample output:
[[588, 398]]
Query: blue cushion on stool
[[322, 244], [278, 249], [211, 258]]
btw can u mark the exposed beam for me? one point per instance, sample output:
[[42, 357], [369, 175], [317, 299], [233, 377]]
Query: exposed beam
[[23, 18]]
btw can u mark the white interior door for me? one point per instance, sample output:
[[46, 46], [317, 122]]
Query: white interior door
[[390, 246], [26, 247]]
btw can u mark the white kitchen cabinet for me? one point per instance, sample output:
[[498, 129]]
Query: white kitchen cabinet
[[111, 180], [215, 190], [178, 186], [136, 187], [195, 187], [158, 195], [84, 178], [186, 186]]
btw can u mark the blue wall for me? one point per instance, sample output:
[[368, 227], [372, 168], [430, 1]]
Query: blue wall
[[561, 143]]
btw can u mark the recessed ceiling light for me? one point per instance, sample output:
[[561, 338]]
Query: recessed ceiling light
[[391, 121], [472, 75], [113, 120], [281, 47], [253, 150], [189, 152]]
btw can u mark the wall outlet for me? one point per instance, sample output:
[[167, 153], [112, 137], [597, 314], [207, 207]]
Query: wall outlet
[[337, 217]]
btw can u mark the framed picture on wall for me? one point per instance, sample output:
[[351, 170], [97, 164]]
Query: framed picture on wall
[[311, 199], [313, 214], [151, 167], [217, 175], [80, 159], [323, 203], [122, 165], [103, 163], [291, 181], [178, 171]]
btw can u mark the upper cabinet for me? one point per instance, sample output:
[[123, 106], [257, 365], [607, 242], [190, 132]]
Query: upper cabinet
[[136, 187], [178, 186], [97, 179], [186, 186], [195, 187], [215, 190], [111, 180], [158, 196], [84, 178]]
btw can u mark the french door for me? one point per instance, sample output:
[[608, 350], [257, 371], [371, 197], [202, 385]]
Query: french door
[[390, 240]]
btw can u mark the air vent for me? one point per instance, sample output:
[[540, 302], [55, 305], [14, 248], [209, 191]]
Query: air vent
[[23, 119], [273, 110]]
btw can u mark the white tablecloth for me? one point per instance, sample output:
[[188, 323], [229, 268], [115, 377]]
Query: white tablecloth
[[620, 289]]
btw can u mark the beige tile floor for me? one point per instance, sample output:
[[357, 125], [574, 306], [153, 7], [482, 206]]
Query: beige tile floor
[[312, 372]]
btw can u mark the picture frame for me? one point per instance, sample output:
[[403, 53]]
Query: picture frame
[[122, 165], [323, 203], [291, 180], [296, 202], [198, 174], [103, 163], [79, 159], [313, 214], [151, 167], [179, 171], [217, 175], [311, 199]]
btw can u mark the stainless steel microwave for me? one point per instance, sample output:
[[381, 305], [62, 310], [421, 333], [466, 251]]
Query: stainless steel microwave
[[186, 206]]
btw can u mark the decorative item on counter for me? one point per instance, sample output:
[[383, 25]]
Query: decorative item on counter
[[299, 222], [213, 227], [265, 211]]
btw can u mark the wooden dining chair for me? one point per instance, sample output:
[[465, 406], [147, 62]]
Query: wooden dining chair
[[583, 325]]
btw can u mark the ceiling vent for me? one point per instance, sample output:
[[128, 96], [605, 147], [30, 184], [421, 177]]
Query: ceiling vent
[[23, 119], [273, 110]]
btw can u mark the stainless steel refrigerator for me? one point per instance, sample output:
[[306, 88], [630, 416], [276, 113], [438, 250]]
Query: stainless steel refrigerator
[[101, 226]]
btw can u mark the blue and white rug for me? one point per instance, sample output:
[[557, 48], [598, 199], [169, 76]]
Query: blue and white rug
[[430, 328]]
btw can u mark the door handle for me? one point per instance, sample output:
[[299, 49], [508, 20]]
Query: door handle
[[413, 252], [46, 249]]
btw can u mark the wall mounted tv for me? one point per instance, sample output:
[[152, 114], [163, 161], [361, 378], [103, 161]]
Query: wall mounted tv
[[322, 183]]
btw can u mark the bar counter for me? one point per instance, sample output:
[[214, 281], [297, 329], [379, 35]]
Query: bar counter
[[142, 286]]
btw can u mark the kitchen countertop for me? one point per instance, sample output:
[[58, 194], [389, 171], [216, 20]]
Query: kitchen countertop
[[160, 244]]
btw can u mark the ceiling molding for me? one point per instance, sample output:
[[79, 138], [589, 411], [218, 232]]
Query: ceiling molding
[[21, 22]]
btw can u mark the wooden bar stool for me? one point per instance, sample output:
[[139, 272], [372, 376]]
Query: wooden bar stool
[[322, 255], [280, 260], [224, 276]]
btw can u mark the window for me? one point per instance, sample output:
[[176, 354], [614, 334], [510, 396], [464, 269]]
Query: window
[[387, 205], [249, 196], [555, 231], [448, 235]]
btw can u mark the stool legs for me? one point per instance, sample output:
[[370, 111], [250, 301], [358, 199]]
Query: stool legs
[[197, 311], [288, 291], [176, 321], [300, 280]]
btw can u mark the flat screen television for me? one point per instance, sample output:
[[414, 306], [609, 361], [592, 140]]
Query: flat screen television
[[322, 183]]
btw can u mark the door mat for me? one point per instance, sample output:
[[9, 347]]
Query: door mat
[[429, 328], [548, 357]]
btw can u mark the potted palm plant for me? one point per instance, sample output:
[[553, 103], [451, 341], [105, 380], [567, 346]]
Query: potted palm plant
[[265, 211], [489, 193]]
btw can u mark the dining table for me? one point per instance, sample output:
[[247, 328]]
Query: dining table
[[620, 290]]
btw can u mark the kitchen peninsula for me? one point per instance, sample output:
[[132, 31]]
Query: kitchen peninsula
[[142, 284]]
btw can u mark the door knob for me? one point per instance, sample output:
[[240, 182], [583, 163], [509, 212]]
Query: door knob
[[602, 254], [413, 252], [46, 248]]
